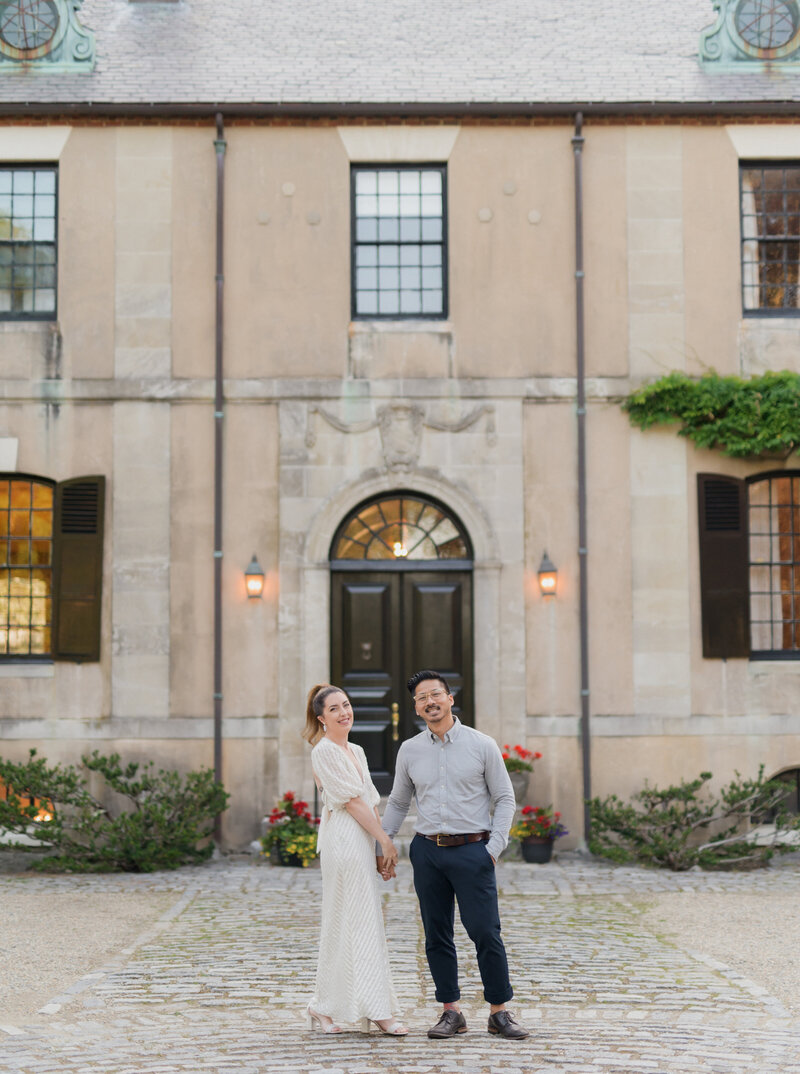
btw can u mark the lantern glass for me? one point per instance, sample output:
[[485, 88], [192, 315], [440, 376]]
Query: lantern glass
[[548, 577], [254, 579]]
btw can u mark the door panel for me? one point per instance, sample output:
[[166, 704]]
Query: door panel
[[365, 643], [386, 625], [438, 634]]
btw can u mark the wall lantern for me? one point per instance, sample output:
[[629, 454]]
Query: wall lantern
[[254, 579], [548, 577]]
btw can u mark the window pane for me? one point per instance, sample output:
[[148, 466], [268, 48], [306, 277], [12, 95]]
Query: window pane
[[41, 552], [366, 279], [42, 523], [19, 553], [774, 548], [367, 301], [410, 230], [388, 182], [366, 182], [409, 206], [410, 278], [366, 230], [432, 230], [388, 230], [367, 255], [19, 641], [366, 205], [20, 494]]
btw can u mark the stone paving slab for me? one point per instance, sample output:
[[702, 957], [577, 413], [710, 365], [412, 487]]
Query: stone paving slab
[[219, 983]]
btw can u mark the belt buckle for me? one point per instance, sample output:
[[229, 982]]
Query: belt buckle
[[438, 837]]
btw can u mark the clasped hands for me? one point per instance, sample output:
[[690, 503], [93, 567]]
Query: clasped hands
[[387, 862]]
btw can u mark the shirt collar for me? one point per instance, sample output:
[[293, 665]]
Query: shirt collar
[[449, 736]]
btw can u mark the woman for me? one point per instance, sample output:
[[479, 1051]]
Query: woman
[[353, 978]]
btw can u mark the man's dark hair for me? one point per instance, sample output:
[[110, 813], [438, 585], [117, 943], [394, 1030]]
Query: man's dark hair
[[422, 676]]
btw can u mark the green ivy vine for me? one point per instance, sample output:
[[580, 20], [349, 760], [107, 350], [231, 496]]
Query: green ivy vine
[[759, 417]]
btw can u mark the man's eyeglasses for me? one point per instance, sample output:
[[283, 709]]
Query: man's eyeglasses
[[434, 695]]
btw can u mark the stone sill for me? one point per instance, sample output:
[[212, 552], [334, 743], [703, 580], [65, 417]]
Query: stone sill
[[24, 670]]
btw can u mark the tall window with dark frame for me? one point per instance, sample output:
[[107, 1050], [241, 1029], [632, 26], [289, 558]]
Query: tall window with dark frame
[[770, 209], [399, 241], [28, 242], [51, 567], [774, 560], [26, 567]]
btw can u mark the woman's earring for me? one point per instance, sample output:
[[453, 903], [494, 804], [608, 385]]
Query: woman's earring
[[324, 728]]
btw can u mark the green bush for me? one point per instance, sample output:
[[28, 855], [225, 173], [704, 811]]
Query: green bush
[[166, 819], [673, 827]]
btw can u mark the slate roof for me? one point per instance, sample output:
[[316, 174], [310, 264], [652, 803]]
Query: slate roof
[[416, 52]]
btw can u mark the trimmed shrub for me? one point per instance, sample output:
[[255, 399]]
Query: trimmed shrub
[[164, 819], [670, 827]]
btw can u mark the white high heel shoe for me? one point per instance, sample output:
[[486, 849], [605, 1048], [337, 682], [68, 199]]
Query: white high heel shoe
[[392, 1028], [315, 1019]]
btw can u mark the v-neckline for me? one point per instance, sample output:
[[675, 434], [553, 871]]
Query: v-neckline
[[354, 761]]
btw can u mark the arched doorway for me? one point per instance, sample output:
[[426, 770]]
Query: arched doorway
[[401, 599]]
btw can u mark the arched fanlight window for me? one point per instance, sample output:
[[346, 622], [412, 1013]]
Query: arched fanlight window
[[401, 526]]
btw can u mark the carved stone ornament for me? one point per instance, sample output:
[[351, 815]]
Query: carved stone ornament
[[401, 434], [401, 426]]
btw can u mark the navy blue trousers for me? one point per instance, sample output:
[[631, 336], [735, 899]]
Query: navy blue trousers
[[443, 875]]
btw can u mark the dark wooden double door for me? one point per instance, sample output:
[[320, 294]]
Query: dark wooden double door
[[385, 625]]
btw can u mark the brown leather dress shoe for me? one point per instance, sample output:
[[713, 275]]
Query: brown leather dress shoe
[[503, 1024], [449, 1024]]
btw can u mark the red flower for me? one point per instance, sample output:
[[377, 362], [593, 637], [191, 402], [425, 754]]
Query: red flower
[[527, 809], [289, 796]]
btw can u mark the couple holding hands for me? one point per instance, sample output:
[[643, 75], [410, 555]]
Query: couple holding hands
[[465, 806]]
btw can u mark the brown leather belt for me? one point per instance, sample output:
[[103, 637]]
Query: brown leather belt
[[442, 840]]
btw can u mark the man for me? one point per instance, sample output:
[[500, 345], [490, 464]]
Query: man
[[457, 775]]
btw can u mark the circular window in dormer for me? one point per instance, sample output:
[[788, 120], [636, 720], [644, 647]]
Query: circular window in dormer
[[767, 29], [30, 29]]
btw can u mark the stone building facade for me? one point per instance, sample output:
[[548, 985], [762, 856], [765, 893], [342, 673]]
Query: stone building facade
[[328, 409]]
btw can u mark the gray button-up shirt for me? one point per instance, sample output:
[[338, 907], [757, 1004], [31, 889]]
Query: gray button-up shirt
[[457, 783]]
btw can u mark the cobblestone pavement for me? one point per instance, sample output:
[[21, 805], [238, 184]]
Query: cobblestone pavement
[[219, 983]]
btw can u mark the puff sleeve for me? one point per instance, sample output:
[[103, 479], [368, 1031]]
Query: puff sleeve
[[337, 775]]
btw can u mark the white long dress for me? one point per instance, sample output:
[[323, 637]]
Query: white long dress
[[353, 976]]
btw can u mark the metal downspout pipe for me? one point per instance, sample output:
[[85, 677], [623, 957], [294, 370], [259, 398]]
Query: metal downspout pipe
[[583, 585], [220, 145]]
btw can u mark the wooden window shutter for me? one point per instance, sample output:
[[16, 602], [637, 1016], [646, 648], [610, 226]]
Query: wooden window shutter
[[78, 568], [724, 586]]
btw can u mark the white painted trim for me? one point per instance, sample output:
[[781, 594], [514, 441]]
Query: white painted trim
[[765, 142], [398, 144], [9, 451], [26, 671], [28, 144]]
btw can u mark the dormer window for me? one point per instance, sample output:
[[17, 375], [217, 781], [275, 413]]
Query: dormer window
[[44, 35], [766, 31], [766, 27]]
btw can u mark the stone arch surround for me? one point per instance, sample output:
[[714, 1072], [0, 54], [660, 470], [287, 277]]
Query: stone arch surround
[[474, 518], [306, 615]]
